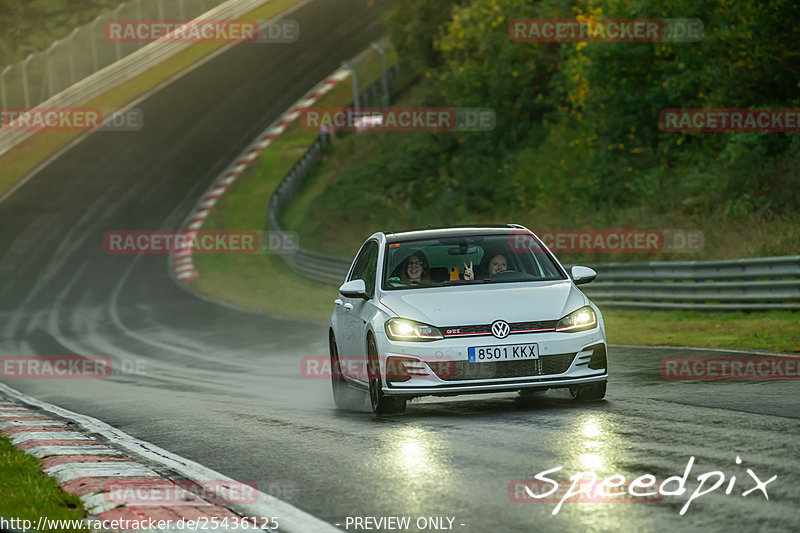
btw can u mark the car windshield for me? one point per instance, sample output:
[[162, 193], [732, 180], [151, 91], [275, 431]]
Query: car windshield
[[467, 260]]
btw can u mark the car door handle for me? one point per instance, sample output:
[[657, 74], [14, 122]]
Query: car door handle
[[337, 301], [348, 306]]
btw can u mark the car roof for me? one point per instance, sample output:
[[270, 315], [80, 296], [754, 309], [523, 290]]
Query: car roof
[[451, 231]]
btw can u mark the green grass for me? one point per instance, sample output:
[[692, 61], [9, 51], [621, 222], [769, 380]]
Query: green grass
[[774, 330], [28, 493], [19, 161]]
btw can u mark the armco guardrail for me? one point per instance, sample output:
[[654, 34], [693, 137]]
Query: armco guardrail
[[741, 284], [106, 78]]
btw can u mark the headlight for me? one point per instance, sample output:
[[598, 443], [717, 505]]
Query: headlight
[[401, 329], [580, 320]]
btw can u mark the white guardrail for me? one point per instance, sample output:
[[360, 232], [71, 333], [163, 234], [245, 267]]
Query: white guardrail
[[125, 69]]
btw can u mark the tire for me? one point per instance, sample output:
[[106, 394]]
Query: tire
[[531, 396], [591, 392], [381, 403], [344, 396]]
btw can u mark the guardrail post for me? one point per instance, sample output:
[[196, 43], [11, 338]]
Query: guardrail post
[[384, 75], [25, 88], [49, 69], [3, 102], [117, 48], [354, 75], [93, 40], [71, 39]]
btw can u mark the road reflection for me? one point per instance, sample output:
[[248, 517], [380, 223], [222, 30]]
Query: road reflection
[[415, 460], [593, 442]]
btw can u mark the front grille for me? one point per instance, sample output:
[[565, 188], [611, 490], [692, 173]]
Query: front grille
[[547, 325], [486, 329], [464, 370]]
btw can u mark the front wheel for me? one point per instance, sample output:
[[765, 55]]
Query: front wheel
[[590, 392], [381, 403]]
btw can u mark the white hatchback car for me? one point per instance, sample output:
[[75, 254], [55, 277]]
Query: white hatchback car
[[463, 310]]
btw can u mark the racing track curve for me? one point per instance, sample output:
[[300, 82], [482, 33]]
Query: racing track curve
[[223, 387]]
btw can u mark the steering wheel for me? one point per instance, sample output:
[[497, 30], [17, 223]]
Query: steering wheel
[[504, 272]]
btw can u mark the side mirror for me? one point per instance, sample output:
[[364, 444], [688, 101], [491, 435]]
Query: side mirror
[[354, 289], [582, 274]]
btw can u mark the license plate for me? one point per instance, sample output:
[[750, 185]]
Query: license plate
[[512, 352]]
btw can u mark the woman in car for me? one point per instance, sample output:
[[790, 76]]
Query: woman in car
[[415, 269]]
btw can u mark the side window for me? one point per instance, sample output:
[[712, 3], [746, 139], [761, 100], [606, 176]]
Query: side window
[[366, 266]]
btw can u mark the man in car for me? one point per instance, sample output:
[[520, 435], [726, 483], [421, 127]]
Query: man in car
[[498, 263]]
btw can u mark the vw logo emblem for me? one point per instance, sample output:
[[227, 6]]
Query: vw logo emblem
[[500, 329]]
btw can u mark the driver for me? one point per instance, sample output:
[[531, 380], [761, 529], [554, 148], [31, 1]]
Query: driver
[[498, 263]]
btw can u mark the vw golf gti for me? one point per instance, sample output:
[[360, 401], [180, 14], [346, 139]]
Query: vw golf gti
[[462, 310]]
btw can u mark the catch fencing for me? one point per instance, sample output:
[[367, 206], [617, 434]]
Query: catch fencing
[[85, 64]]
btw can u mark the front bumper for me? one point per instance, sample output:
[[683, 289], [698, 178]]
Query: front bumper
[[443, 368]]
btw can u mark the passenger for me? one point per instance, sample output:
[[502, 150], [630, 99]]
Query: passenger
[[498, 263], [416, 269]]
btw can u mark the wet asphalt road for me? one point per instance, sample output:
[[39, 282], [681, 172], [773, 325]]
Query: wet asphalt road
[[224, 388]]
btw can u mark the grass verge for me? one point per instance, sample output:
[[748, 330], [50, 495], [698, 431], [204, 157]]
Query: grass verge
[[772, 330], [27, 493], [23, 158]]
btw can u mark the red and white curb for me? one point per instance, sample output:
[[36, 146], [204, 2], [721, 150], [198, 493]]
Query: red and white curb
[[87, 456], [84, 466], [182, 263]]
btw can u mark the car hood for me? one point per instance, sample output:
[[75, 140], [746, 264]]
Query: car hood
[[483, 304]]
